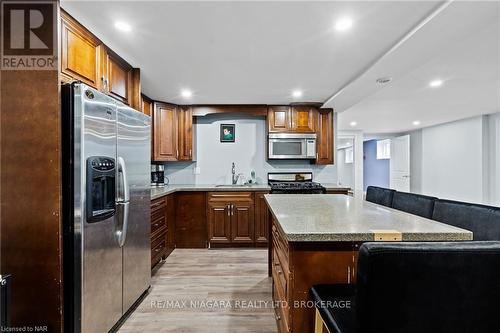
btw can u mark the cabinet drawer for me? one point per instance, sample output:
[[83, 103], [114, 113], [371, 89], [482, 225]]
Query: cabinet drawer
[[230, 196], [281, 247], [157, 224], [158, 245], [279, 278], [281, 312], [157, 205]]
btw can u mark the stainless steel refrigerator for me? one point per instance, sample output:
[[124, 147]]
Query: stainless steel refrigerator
[[106, 154]]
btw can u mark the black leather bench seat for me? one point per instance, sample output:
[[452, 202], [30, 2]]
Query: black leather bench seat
[[483, 221], [379, 195], [415, 204], [422, 287]]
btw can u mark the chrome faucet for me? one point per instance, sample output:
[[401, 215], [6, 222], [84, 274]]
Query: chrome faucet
[[235, 176]]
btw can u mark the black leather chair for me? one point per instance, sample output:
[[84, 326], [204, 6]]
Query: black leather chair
[[415, 204], [379, 195], [483, 221], [428, 287]]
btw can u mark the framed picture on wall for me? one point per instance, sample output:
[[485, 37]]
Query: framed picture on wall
[[227, 133]]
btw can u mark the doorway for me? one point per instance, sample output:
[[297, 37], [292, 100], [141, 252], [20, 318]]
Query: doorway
[[400, 163], [346, 161]]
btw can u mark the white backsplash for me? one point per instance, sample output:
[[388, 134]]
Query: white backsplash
[[248, 152]]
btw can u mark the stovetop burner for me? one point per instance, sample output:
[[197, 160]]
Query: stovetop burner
[[294, 183]]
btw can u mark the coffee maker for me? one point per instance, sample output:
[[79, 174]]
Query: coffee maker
[[157, 175]]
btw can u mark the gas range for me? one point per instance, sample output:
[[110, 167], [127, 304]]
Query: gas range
[[293, 183]]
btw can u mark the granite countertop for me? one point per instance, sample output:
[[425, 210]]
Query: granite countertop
[[158, 192], [321, 217]]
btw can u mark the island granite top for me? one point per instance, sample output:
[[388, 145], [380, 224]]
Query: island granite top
[[341, 218]]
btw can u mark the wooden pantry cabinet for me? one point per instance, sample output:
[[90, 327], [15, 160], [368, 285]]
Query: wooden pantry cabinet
[[172, 132], [85, 58]]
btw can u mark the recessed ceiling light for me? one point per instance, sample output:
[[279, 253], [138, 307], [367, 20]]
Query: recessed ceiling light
[[343, 24], [416, 123], [120, 25], [384, 80], [297, 93], [186, 93], [436, 83], [353, 123]]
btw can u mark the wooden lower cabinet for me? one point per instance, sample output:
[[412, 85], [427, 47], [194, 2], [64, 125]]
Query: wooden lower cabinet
[[231, 218], [296, 267], [201, 219], [261, 220], [191, 220], [162, 226]]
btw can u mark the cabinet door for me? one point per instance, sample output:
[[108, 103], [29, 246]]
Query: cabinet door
[[191, 220], [118, 77], [242, 222], [165, 132], [324, 141], [261, 219], [185, 134], [146, 105], [278, 119], [219, 222], [304, 119], [80, 53]]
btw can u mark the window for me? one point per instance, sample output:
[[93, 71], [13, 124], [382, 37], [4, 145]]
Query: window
[[349, 156], [384, 149]]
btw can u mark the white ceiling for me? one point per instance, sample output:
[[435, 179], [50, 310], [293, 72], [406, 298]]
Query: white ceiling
[[258, 52], [461, 46]]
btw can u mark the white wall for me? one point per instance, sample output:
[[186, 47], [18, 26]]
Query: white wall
[[248, 152], [458, 160], [494, 162]]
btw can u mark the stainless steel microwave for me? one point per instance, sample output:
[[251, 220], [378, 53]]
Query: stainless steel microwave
[[292, 146]]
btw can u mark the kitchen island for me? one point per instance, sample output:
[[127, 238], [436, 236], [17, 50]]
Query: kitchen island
[[315, 240]]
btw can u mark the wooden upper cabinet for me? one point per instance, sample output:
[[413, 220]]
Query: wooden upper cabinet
[[304, 119], [324, 140], [165, 132], [146, 105], [117, 77], [279, 119], [80, 53], [185, 117], [85, 58], [172, 132]]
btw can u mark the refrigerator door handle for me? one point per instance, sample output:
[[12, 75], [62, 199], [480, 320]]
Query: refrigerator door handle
[[122, 202], [123, 212], [123, 188]]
